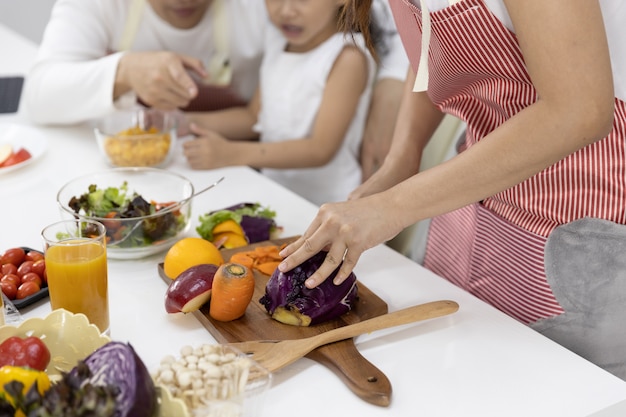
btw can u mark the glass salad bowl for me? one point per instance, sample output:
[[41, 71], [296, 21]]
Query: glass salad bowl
[[145, 210]]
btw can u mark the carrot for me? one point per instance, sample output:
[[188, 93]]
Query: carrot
[[243, 258], [232, 290], [267, 268], [264, 258]]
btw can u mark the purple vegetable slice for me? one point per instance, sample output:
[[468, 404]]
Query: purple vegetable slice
[[118, 364], [289, 301]]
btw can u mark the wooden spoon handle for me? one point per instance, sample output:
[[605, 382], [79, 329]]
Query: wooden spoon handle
[[384, 321]]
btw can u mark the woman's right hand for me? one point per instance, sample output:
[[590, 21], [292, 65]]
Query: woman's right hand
[[345, 230]]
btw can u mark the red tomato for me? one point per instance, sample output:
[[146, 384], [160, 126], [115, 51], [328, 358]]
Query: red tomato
[[39, 267], [25, 268], [32, 277], [28, 352], [20, 156], [12, 278], [7, 269], [9, 289], [13, 256], [33, 255], [27, 288]]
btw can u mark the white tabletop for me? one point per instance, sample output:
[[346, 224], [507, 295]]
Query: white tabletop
[[477, 362]]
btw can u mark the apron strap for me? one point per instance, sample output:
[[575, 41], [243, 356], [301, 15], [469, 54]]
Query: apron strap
[[132, 24], [421, 78], [219, 68]]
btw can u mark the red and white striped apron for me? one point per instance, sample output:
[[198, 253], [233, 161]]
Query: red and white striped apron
[[495, 248]]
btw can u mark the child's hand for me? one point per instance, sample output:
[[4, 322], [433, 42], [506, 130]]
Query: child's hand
[[207, 151]]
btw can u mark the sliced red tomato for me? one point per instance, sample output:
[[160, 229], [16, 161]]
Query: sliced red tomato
[[29, 351], [19, 156]]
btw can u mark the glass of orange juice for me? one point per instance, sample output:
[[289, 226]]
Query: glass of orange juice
[[76, 265]]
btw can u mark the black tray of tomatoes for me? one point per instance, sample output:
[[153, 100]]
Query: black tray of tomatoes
[[23, 279]]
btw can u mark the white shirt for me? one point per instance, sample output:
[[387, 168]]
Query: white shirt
[[292, 86], [73, 77]]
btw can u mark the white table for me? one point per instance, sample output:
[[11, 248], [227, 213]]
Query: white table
[[477, 362]]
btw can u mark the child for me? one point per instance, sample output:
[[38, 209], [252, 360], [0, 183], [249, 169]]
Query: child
[[309, 111]]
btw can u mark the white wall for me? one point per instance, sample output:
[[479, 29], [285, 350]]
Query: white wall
[[27, 17]]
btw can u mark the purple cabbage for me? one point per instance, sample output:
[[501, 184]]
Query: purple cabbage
[[257, 229], [118, 364], [289, 301]]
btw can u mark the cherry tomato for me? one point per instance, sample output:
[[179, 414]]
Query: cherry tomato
[[9, 289], [32, 277], [44, 277], [24, 268], [13, 256], [33, 255], [39, 267], [20, 156], [12, 278], [27, 352], [27, 288], [7, 269]]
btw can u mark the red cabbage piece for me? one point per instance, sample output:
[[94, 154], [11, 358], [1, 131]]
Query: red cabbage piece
[[118, 364], [289, 301], [257, 229]]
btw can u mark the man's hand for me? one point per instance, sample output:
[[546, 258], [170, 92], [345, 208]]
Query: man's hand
[[160, 79]]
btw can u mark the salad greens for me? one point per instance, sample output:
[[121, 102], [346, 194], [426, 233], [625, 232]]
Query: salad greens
[[117, 207], [98, 202], [256, 221]]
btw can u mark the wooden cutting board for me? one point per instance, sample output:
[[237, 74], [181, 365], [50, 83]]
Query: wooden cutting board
[[343, 358]]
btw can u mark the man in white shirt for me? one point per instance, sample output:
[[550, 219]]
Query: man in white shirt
[[99, 55]]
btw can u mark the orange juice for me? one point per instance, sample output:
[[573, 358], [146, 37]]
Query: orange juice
[[77, 279]]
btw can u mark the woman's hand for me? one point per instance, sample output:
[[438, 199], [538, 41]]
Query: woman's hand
[[345, 230]]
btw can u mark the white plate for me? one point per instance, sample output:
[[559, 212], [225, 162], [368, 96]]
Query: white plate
[[20, 136]]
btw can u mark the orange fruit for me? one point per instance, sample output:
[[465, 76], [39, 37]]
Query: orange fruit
[[188, 252]]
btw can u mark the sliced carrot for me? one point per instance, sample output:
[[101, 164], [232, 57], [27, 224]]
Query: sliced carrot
[[232, 290], [264, 258], [267, 268], [242, 258]]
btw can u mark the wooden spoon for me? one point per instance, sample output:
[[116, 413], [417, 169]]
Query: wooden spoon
[[275, 354]]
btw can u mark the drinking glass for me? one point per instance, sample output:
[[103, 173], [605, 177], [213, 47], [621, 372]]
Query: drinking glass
[[76, 265]]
